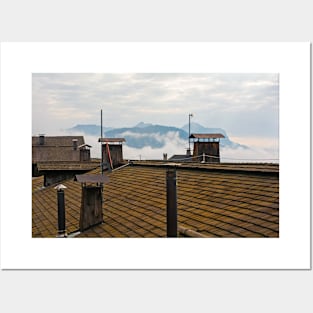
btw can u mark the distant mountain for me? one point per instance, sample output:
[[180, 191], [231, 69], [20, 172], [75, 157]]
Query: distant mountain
[[143, 125], [143, 135], [88, 129], [155, 136], [224, 142], [199, 129]]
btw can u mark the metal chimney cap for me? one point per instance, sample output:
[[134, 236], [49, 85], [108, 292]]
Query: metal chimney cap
[[92, 178], [60, 187]]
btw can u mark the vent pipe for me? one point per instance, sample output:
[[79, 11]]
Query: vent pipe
[[171, 200], [203, 158], [61, 210]]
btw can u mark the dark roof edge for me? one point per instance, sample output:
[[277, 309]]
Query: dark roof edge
[[206, 136]]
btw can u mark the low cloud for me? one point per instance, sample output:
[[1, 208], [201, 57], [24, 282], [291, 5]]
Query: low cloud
[[264, 149], [172, 145], [249, 155], [259, 149]]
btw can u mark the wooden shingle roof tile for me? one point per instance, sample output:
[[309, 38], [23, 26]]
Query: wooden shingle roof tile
[[215, 204], [58, 141]]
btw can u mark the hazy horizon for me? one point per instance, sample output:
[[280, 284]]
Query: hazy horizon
[[245, 105]]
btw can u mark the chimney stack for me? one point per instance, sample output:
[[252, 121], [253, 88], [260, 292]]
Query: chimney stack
[[75, 144], [41, 139], [164, 156], [91, 201]]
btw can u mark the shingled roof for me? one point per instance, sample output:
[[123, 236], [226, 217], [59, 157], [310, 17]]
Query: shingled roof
[[56, 148], [213, 201], [58, 141], [68, 166]]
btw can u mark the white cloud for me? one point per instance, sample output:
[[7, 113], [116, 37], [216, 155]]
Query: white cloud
[[239, 103], [173, 145], [260, 149], [68, 113], [249, 155]]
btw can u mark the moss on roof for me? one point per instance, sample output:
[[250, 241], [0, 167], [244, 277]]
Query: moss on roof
[[211, 202]]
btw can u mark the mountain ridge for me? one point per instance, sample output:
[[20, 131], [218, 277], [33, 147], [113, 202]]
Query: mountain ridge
[[153, 135]]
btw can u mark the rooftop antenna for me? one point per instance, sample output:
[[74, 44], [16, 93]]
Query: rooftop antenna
[[101, 145], [190, 115]]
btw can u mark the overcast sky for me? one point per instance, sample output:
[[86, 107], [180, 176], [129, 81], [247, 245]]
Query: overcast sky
[[244, 105]]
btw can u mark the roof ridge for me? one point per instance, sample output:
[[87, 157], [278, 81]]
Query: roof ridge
[[220, 167]]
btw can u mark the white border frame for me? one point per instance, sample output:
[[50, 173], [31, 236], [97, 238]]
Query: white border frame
[[290, 251]]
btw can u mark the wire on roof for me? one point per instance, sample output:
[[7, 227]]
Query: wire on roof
[[227, 158], [212, 156]]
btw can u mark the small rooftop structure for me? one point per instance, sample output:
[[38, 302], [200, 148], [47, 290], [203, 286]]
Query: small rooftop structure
[[59, 148], [60, 157], [84, 146], [91, 202], [112, 151], [207, 145]]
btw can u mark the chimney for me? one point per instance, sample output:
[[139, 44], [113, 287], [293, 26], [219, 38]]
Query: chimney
[[111, 152], [164, 156], [208, 144], [91, 201], [41, 139], [75, 144], [171, 200]]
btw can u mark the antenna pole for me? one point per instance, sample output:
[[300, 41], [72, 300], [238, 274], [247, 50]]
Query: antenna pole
[[190, 115], [101, 126], [101, 145], [189, 133]]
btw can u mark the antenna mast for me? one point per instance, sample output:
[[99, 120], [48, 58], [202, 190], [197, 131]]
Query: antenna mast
[[101, 145]]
